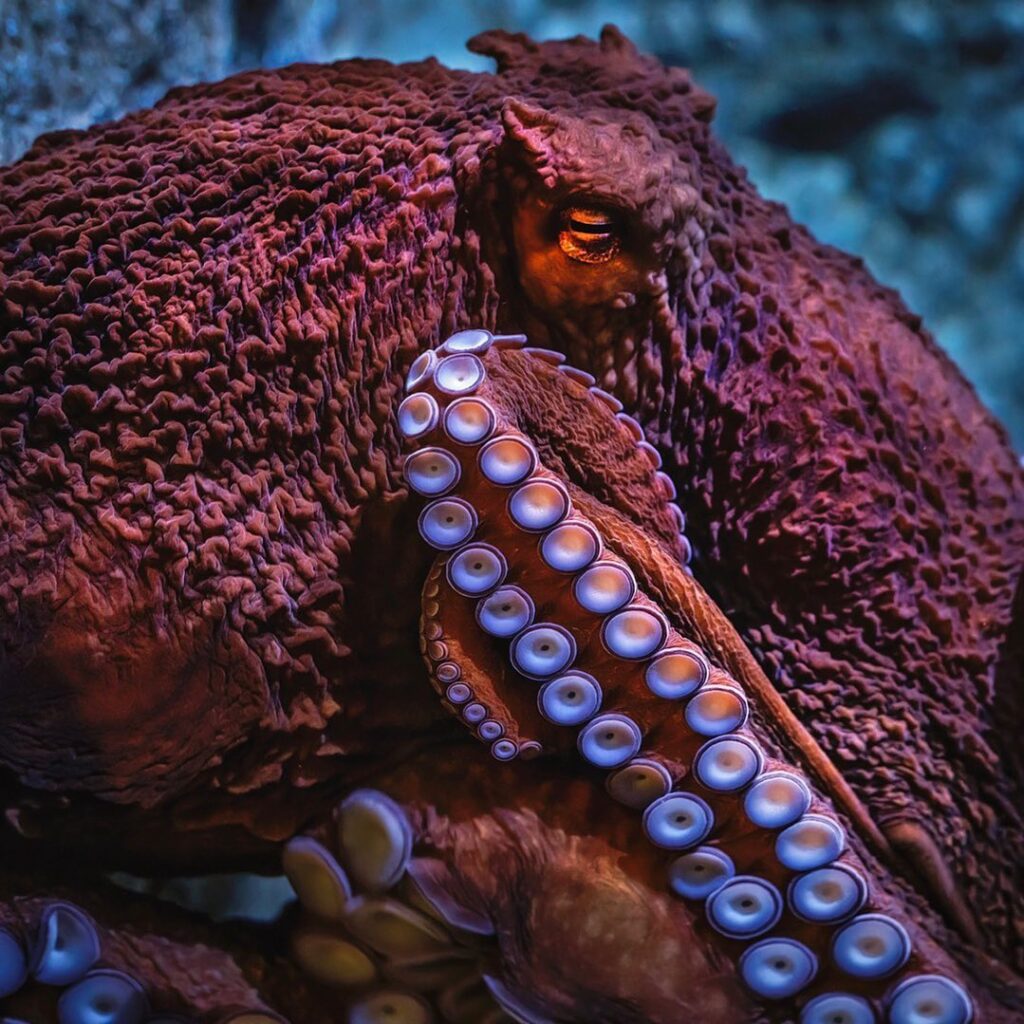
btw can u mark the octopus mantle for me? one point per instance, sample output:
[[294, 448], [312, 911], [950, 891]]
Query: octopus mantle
[[661, 663]]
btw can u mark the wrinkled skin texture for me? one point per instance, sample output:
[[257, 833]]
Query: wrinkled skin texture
[[209, 567]]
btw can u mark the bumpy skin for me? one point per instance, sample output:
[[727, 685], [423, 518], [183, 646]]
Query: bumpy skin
[[208, 566]]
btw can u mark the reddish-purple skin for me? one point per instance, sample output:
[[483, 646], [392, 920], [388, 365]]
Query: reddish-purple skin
[[209, 574]]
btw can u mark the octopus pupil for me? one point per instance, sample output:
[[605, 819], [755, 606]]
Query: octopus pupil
[[590, 229], [609, 735], [571, 694], [746, 904]]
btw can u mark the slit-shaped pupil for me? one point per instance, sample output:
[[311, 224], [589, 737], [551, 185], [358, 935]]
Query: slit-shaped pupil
[[595, 226]]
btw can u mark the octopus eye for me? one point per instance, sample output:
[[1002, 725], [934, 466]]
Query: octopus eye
[[590, 234]]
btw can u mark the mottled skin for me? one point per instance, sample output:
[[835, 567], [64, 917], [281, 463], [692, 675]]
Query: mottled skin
[[208, 568]]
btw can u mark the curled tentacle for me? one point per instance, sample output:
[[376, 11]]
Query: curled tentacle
[[540, 638]]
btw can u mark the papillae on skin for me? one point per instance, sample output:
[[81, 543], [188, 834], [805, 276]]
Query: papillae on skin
[[209, 568]]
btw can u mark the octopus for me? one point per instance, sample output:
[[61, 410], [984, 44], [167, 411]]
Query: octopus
[[465, 494]]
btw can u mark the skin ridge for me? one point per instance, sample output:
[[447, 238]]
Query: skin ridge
[[206, 311]]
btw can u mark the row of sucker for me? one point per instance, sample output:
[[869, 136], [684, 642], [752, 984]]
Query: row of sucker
[[67, 954], [747, 836], [379, 926]]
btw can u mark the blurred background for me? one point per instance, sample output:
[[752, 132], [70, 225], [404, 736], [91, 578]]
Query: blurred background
[[893, 128]]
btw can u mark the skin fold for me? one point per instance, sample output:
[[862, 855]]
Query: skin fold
[[213, 588]]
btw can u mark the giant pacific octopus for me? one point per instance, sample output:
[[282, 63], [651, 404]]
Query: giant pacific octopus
[[466, 491]]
